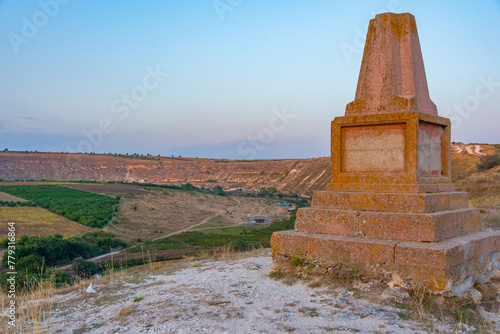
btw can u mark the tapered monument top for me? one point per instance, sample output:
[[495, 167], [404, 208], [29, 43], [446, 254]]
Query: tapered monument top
[[392, 75]]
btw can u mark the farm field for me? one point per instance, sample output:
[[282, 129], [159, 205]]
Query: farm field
[[32, 221], [149, 214], [160, 212], [249, 206], [87, 208], [216, 222], [9, 198], [107, 189], [237, 237]]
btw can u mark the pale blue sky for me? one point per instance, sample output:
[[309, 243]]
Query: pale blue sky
[[70, 67]]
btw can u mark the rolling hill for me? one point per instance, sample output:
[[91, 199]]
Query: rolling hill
[[302, 176]]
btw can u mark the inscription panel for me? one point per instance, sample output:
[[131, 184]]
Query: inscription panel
[[377, 148], [430, 151]]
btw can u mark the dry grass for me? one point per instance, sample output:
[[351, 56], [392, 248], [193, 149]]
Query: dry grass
[[422, 306], [125, 312], [32, 308], [482, 187], [10, 198], [342, 273], [426, 307], [490, 294], [31, 221], [160, 212]]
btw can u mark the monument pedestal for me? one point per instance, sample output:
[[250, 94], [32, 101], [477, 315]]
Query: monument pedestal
[[427, 240], [391, 204]]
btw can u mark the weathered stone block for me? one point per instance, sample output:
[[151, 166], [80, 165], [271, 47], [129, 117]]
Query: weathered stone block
[[390, 202], [438, 265], [442, 255], [373, 148], [389, 225], [392, 75], [417, 226], [430, 146], [329, 248], [341, 222], [405, 152]]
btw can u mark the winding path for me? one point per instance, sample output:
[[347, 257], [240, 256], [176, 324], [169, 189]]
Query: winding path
[[202, 222], [167, 235]]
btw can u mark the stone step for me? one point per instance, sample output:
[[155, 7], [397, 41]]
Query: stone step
[[426, 227], [416, 188], [439, 264], [390, 202]]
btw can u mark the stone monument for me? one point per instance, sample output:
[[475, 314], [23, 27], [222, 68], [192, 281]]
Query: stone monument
[[391, 204]]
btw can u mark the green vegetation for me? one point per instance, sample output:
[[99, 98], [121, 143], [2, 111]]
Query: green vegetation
[[296, 261], [84, 268], [240, 238], [138, 299], [36, 256], [285, 174], [489, 161], [31, 271], [16, 203], [87, 208], [55, 250], [184, 187], [219, 191]]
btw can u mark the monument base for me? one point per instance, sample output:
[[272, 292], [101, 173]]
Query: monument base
[[449, 265], [392, 216]]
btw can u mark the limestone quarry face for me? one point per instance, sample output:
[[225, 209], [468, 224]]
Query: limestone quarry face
[[301, 176]]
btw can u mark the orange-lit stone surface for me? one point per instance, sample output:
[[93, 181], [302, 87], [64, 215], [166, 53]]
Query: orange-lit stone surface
[[425, 168], [392, 76], [328, 247], [391, 203], [439, 265], [379, 148], [389, 225]]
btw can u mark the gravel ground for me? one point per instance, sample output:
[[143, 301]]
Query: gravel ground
[[233, 295]]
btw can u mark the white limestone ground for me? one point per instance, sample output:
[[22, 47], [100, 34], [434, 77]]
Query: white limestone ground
[[234, 295]]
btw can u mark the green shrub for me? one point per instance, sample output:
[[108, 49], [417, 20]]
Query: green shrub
[[84, 268], [489, 161], [33, 263], [58, 277], [28, 281], [55, 250], [240, 246]]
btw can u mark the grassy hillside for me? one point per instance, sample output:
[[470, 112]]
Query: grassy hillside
[[482, 186]]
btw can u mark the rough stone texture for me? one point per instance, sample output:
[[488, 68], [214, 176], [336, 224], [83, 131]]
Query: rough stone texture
[[392, 76], [443, 265], [341, 222], [389, 225], [391, 203], [373, 148], [430, 142], [425, 169], [326, 248]]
